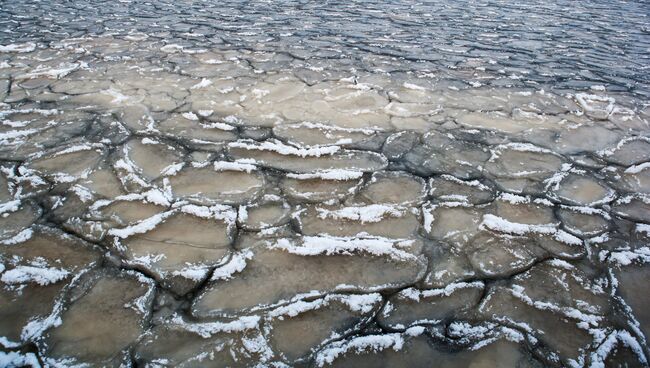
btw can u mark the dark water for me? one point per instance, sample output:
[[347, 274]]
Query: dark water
[[564, 44]]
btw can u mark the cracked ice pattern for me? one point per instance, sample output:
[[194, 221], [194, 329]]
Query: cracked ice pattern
[[314, 184]]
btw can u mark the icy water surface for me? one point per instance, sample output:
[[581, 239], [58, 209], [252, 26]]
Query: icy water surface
[[350, 184]]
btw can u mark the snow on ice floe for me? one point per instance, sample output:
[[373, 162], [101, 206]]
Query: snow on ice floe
[[430, 306], [126, 297], [284, 149], [373, 271], [327, 318], [36, 269], [336, 174], [315, 245], [179, 261], [19, 48], [306, 160], [324, 205]]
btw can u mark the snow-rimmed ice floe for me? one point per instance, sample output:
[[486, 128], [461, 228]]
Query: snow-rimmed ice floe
[[207, 329], [359, 344], [40, 275], [369, 213], [500, 224], [19, 48], [329, 245], [362, 303], [284, 149], [335, 174]]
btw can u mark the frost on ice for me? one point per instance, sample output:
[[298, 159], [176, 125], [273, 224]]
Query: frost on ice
[[246, 189]]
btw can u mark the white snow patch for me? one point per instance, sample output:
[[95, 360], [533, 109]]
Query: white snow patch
[[141, 227], [566, 238], [360, 344], [217, 212], [627, 257], [147, 140], [19, 238], [370, 213], [515, 146], [82, 192], [236, 264], [415, 294], [233, 166], [17, 359], [297, 308], [428, 218], [587, 102], [615, 338], [218, 125], [363, 303], [635, 169], [11, 206], [414, 87], [195, 273], [202, 84], [20, 48], [513, 198], [499, 224], [57, 72], [643, 228], [333, 174], [207, 329], [283, 149], [329, 245], [172, 169], [172, 48], [40, 275], [190, 116], [334, 128], [118, 97]]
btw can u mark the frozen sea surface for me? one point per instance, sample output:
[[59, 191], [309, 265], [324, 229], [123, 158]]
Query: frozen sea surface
[[310, 184]]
